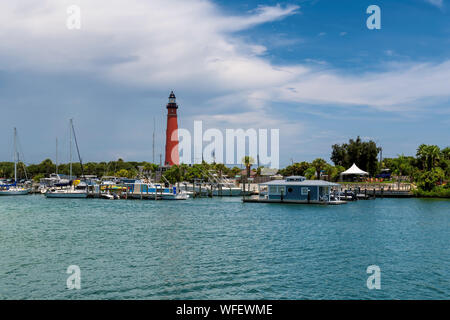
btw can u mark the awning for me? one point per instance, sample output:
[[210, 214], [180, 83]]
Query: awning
[[354, 170]]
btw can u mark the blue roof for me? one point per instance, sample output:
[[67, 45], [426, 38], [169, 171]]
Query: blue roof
[[313, 183]]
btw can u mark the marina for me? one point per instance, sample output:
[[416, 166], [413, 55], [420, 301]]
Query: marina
[[203, 152]]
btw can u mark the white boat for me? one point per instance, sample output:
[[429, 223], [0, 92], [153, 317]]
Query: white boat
[[66, 193], [54, 180], [180, 195], [108, 196], [71, 191], [143, 190], [225, 190], [13, 189]]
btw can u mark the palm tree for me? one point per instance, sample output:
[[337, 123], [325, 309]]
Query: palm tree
[[319, 164], [429, 155], [446, 153], [421, 154], [248, 162], [434, 154], [220, 168]]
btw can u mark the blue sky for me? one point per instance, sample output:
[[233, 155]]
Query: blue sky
[[310, 68]]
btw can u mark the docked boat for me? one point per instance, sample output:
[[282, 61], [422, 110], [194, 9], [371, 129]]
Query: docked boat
[[296, 189], [76, 189], [147, 190], [66, 193], [54, 180], [214, 189], [109, 196], [13, 189]]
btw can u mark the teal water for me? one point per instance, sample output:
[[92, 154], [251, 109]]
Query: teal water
[[223, 249]]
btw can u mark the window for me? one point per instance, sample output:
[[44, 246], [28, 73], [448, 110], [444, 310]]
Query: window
[[276, 190], [305, 191], [290, 190]]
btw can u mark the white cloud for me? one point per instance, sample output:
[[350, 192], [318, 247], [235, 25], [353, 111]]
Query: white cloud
[[437, 3], [403, 87], [162, 44]]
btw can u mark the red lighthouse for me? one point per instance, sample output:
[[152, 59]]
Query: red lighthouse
[[172, 156]]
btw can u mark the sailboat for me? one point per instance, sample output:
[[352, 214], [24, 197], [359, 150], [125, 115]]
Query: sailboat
[[73, 191], [13, 189]]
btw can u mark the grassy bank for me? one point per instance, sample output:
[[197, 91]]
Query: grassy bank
[[437, 192]]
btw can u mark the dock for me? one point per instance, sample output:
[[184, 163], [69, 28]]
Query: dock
[[257, 199]]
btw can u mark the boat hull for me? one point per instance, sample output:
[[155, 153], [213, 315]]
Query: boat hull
[[14, 192], [66, 195]]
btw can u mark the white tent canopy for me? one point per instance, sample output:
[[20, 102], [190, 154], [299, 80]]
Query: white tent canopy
[[354, 170]]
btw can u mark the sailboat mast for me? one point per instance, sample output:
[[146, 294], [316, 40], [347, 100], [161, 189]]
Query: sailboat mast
[[15, 155], [153, 140], [57, 155], [78, 150], [70, 150]]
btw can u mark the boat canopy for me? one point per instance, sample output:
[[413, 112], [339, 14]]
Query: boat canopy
[[8, 185]]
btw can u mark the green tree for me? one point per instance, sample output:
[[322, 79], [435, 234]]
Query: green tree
[[429, 179], [174, 174], [445, 153], [235, 171], [296, 169], [124, 173], [310, 173], [428, 155], [248, 162], [363, 154], [320, 165], [38, 177]]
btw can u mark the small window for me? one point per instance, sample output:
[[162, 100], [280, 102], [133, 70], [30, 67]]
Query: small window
[[290, 190], [305, 191]]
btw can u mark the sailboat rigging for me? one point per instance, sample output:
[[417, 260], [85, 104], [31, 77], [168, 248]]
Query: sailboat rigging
[[14, 189]]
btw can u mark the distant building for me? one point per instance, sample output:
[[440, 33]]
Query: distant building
[[297, 189]]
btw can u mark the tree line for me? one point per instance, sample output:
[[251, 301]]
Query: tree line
[[429, 169]]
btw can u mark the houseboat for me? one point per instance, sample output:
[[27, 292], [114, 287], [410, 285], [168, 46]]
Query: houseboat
[[297, 189]]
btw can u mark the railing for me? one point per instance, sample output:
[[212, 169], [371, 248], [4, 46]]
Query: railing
[[389, 187]]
